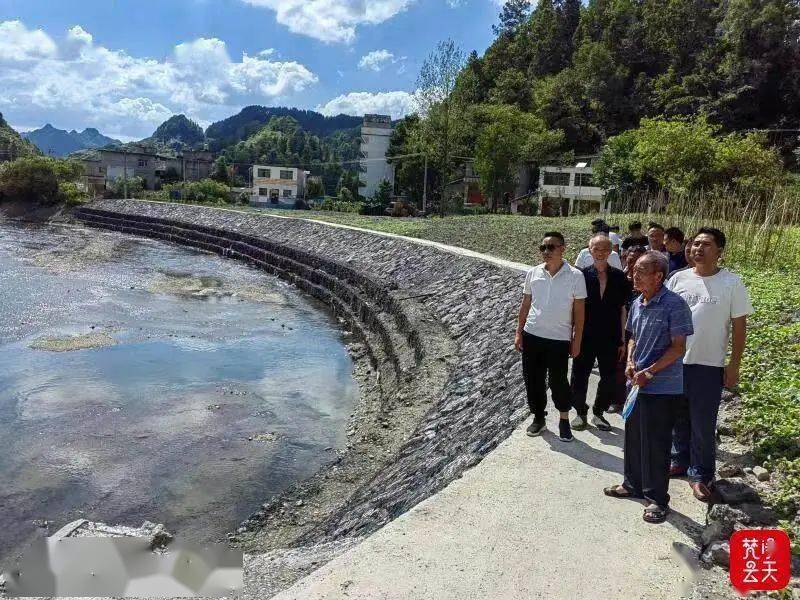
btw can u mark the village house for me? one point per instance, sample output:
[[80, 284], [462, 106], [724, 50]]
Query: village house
[[569, 190], [376, 132], [277, 186]]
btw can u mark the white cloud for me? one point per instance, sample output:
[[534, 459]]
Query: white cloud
[[331, 20], [20, 44], [376, 60], [397, 104], [91, 85]]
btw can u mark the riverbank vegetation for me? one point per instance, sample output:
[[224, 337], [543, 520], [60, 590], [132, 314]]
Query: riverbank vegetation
[[42, 180]]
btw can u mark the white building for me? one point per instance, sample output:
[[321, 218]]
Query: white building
[[277, 186], [569, 190], [375, 134]]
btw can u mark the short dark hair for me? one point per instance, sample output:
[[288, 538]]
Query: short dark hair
[[614, 227], [604, 228], [635, 225], [718, 236], [676, 234], [598, 221], [555, 234], [654, 225]]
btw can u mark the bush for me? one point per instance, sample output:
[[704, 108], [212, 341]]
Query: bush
[[71, 194], [205, 191], [116, 187], [32, 179], [478, 209], [336, 205]]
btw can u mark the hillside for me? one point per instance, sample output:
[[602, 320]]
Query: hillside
[[59, 142], [175, 134], [12, 145], [250, 119], [283, 141]]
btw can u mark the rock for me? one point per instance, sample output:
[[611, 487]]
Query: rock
[[761, 473], [748, 470], [718, 553], [729, 470], [299, 503], [758, 513], [735, 491], [40, 522], [722, 521]]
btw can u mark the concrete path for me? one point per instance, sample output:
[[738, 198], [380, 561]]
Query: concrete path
[[530, 521]]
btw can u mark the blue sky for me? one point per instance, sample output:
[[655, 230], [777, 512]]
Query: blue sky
[[124, 66]]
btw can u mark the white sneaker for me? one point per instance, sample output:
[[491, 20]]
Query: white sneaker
[[601, 423]]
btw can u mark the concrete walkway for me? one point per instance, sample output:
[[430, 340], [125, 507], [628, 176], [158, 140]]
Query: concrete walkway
[[530, 521]]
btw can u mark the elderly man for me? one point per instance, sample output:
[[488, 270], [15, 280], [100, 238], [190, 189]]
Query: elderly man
[[659, 322], [719, 303], [608, 292], [549, 331]]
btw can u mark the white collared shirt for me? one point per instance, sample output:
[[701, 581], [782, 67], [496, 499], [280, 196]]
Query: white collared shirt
[[585, 259], [550, 315]]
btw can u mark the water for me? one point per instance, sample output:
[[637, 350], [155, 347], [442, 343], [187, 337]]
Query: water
[[190, 356]]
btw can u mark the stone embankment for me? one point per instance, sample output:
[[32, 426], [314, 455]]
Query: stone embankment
[[437, 327]]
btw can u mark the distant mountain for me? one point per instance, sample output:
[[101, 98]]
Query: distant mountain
[[176, 133], [12, 145], [250, 119], [59, 142]]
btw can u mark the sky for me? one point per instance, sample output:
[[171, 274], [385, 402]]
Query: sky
[[125, 66]]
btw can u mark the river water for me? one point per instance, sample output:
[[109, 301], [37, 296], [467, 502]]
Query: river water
[[143, 381]]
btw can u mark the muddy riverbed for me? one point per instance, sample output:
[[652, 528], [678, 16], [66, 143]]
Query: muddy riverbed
[[139, 380]]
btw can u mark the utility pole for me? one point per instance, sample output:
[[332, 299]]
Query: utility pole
[[425, 187], [125, 174]]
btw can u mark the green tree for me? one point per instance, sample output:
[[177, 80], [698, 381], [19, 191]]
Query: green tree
[[221, 171], [30, 179], [439, 106], [513, 15], [508, 138]]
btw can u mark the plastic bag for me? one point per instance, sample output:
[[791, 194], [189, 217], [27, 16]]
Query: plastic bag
[[630, 402]]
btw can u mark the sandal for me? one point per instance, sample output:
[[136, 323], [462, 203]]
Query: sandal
[[701, 491], [655, 514], [618, 491]]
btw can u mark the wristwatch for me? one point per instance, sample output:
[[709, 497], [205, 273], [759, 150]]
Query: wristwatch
[[648, 374]]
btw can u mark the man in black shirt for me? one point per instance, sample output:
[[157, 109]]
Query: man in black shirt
[[608, 292]]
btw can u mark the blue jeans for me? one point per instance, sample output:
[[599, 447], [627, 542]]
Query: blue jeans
[[694, 443]]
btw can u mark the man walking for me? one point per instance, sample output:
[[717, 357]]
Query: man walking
[[659, 322], [549, 331], [719, 303], [608, 292]]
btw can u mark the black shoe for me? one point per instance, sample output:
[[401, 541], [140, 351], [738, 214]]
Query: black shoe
[[600, 422], [564, 431], [536, 428], [580, 422]]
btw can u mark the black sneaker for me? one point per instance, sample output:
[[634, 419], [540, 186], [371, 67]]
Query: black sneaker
[[600, 422], [564, 431], [536, 428]]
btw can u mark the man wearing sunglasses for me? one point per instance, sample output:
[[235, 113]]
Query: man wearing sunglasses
[[549, 331]]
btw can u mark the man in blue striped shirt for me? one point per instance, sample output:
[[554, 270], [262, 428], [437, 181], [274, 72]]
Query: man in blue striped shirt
[[659, 322]]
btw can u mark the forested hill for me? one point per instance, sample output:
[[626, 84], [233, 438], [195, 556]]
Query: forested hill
[[595, 70], [250, 119], [12, 145]]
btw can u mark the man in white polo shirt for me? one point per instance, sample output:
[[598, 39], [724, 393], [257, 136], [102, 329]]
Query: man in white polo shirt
[[719, 303], [549, 331]]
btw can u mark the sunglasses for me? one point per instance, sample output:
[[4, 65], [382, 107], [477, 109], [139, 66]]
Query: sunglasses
[[548, 247]]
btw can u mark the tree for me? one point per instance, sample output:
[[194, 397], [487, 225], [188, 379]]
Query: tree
[[512, 16], [31, 179], [508, 138], [221, 171], [438, 105], [314, 188]]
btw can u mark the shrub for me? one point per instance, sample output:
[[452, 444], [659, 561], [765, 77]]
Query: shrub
[[205, 191], [478, 209], [116, 187], [31, 179], [71, 194]]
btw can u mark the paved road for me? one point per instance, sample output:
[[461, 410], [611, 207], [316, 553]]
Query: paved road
[[530, 521]]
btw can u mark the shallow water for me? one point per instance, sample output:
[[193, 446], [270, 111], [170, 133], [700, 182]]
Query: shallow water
[[206, 386]]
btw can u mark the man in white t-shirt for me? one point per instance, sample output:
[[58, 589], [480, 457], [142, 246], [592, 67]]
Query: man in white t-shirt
[[720, 304], [549, 331], [585, 260]]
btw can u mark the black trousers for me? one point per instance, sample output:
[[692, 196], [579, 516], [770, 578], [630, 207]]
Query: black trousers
[[545, 361], [648, 439], [606, 355]]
